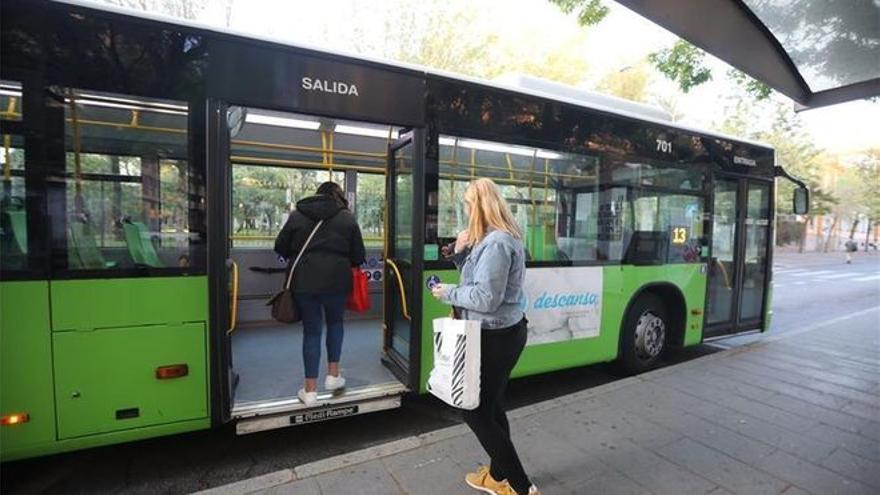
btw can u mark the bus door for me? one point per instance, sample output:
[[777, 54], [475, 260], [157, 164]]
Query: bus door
[[739, 264], [402, 259]]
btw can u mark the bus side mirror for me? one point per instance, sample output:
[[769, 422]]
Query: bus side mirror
[[801, 201]]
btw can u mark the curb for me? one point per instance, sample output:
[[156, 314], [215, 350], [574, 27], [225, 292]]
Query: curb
[[258, 483]]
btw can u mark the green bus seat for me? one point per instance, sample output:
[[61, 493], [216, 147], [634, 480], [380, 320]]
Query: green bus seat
[[141, 249], [82, 251], [17, 221]]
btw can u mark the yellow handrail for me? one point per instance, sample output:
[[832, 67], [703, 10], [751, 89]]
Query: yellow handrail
[[233, 317], [403, 305]]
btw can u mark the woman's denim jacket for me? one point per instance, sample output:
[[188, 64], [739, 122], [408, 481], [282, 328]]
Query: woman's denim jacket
[[491, 286]]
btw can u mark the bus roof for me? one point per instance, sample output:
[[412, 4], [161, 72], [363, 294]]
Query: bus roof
[[530, 86]]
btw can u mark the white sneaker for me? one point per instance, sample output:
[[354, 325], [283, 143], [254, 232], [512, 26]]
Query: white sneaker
[[334, 382], [308, 399], [533, 490]]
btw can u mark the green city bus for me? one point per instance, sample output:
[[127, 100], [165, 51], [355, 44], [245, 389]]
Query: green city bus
[[148, 165]]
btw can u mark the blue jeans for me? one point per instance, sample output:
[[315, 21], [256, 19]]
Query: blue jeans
[[311, 307]]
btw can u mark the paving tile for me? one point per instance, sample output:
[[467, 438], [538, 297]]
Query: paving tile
[[856, 444], [854, 467], [368, 478], [798, 443], [545, 455], [830, 376], [811, 477], [797, 391], [657, 474], [429, 468], [733, 475], [772, 354], [611, 482], [736, 403]]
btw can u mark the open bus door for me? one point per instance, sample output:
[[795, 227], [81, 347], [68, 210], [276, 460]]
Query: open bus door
[[403, 260]]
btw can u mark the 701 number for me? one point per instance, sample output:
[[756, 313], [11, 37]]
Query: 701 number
[[664, 146]]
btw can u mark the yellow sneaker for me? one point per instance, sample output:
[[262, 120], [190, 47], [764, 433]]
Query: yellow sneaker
[[482, 480]]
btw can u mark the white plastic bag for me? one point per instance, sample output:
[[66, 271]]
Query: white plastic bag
[[455, 378]]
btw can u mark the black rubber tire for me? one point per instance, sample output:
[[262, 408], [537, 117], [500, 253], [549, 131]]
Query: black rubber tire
[[629, 362]]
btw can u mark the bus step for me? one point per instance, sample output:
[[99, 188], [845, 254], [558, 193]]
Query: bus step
[[316, 414]]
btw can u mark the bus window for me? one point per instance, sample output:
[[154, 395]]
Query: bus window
[[13, 215], [263, 197], [757, 233], [541, 187], [10, 101], [370, 208], [131, 194], [675, 224]]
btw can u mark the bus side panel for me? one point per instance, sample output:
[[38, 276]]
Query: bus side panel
[[620, 284], [25, 367], [128, 302], [536, 358], [123, 436], [111, 347], [690, 278]]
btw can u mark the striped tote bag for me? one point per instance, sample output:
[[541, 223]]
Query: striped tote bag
[[455, 378]]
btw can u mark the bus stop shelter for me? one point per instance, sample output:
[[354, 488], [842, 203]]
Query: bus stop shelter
[[816, 52]]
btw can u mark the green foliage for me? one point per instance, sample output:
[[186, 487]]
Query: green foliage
[[630, 83], [794, 150], [683, 63], [868, 170], [754, 87], [589, 12]]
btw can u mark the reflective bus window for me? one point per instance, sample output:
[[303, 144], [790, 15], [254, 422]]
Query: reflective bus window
[[671, 223], [757, 234], [131, 194], [13, 214], [579, 208], [539, 185]]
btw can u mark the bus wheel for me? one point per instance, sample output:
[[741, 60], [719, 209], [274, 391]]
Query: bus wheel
[[644, 334]]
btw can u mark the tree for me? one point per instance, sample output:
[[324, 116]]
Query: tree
[[629, 83], [589, 12], [682, 63], [794, 150], [868, 170]]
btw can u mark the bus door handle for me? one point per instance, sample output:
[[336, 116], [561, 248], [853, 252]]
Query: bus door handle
[[403, 305], [233, 299]]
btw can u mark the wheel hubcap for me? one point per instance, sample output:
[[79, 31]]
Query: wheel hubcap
[[650, 335]]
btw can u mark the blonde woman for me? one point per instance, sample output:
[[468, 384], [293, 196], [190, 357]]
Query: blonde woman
[[491, 259]]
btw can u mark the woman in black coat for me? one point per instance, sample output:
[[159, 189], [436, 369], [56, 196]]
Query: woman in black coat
[[322, 279]]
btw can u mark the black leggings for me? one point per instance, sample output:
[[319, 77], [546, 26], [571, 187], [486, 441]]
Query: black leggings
[[500, 350]]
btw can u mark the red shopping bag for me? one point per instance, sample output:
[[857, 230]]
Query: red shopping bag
[[359, 299]]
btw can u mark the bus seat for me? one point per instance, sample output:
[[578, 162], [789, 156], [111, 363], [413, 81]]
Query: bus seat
[[575, 248], [17, 220], [141, 249], [14, 224], [83, 252]]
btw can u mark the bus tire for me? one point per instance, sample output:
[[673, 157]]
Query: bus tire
[[643, 336]]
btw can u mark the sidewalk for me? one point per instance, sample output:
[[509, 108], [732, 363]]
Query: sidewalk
[[791, 258], [790, 415]]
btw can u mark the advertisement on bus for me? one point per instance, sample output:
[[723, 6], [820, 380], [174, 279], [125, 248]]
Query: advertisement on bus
[[563, 303]]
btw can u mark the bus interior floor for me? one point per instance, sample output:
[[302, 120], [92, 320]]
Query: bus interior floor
[[268, 359]]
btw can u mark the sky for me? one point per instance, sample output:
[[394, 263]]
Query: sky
[[621, 40]]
